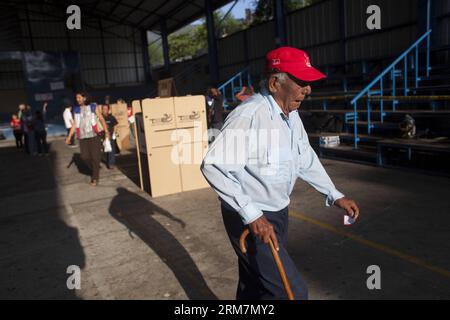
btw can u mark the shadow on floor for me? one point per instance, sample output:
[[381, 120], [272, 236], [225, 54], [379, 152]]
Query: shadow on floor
[[137, 214], [36, 244], [79, 163], [128, 165]]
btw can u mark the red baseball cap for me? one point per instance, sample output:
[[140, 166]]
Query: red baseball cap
[[293, 61]]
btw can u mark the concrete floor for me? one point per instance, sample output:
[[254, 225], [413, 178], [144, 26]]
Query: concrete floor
[[130, 246]]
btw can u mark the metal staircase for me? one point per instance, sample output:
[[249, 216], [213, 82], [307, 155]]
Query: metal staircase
[[234, 85], [375, 90]]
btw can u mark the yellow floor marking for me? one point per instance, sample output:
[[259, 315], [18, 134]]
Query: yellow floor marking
[[372, 244]]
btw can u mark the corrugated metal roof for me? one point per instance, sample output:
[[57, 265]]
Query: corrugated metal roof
[[141, 14]]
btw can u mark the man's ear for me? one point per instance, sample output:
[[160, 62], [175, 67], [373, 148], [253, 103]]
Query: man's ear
[[273, 84]]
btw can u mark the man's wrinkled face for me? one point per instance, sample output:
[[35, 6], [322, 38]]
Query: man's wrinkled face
[[291, 92]]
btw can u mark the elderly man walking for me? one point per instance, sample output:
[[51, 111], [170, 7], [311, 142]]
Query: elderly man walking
[[253, 165]]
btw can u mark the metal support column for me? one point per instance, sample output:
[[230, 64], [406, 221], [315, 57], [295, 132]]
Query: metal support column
[[212, 46], [343, 32], [102, 43], [165, 45], [280, 23], [146, 57], [426, 21]]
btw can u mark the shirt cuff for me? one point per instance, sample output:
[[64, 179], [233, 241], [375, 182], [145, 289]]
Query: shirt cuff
[[332, 197], [250, 213]]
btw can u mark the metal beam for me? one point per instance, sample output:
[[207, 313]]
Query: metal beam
[[96, 14], [146, 57], [133, 10], [212, 46], [216, 4], [280, 23], [102, 42], [114, 6], [343, 29], [150, 12], [426, 19], [96, 3], [169, 15], [30, 33], [165, 45], [164, 17], [226, 15], [62, 19], [135, 61]]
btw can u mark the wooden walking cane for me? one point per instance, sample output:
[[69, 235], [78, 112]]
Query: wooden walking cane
[[278, 262]]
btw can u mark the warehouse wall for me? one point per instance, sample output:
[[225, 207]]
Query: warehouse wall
[[109, 54], [442, 14]]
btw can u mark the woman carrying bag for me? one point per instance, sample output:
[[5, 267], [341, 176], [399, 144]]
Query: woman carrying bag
[[87, 121]]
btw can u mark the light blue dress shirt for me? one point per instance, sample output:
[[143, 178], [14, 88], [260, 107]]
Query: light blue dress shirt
[[257, 157]]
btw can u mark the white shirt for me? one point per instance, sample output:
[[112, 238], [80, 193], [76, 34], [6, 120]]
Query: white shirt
[[67, 116], [255, 161]]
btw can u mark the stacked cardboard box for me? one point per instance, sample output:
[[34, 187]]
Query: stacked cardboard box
[[119, 111], [176, 141]]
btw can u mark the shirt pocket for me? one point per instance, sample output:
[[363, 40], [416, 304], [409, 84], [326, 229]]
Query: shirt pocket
[[278, 166]]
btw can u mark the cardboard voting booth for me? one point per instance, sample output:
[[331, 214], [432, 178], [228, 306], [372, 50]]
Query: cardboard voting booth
[[139, 138], [119, 111], [173, 135]]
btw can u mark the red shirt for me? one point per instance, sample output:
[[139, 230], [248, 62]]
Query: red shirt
[[15, 124]]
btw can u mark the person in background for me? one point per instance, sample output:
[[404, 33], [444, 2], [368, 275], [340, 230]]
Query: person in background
[[20, 112], [68, 122], [40, 133], [28, 129], [245, 93], [21, 117], [17, 130], [214, 107], [87, 117], [111, 122]]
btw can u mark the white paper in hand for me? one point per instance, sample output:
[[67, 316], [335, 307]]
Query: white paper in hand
[[107, 145], [348, 220]]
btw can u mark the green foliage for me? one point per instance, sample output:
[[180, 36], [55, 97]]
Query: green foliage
[[156, 54], [264, 8], [194, 40], [183, 45]]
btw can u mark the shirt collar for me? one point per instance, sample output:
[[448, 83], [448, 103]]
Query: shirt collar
[[275, 108]]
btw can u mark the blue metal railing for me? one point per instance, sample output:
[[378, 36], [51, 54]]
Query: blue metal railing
[[394, 73], [233, 85]]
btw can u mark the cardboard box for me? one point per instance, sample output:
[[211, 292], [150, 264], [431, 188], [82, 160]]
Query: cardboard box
[[176, 142], [164, 171], [191, 176], [120, 112], [166, 88], [139, 139], [190, 113]]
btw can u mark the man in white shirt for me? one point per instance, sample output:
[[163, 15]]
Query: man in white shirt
[[253, 165]]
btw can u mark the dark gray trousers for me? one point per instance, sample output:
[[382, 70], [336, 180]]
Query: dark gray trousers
[[259, 278]]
